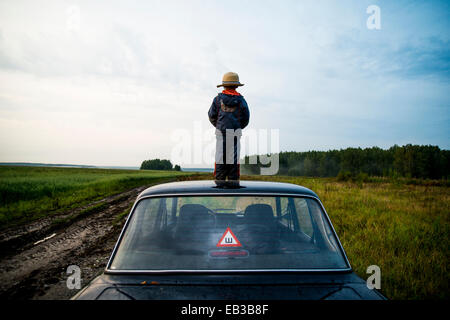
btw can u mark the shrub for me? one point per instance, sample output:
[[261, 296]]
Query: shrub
[[344, 176]]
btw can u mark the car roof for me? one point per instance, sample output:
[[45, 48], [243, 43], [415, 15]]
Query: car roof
[[210, 187]]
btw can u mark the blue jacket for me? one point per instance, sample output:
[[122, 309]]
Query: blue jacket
[[229, 112]]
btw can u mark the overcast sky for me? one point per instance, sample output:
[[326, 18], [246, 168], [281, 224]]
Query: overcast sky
[[108, 82]]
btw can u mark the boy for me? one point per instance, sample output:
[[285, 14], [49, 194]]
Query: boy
[[229, 114]]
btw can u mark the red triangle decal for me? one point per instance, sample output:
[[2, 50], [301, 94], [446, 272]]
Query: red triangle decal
[[228, 240]]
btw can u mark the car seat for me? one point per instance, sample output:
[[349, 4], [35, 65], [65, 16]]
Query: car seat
[[259, 232], [259, 213], [194, 224]]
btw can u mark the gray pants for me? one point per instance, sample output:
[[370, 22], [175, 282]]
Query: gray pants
[[228, 144]]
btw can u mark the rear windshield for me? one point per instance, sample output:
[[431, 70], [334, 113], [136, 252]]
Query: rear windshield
[[228, 233]]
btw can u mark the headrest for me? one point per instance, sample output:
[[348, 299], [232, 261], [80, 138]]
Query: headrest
[[258, 212], [194, 212]]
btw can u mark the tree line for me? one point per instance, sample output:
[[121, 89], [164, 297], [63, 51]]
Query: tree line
[[411, 161], [158, 164]]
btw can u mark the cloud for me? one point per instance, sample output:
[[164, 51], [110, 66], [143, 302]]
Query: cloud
[[112, 89], [428, 59]]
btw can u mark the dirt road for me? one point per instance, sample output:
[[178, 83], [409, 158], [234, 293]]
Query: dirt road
[[34, 258]]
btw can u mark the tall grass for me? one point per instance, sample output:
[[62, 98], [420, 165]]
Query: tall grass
[[402, 228], [28, 193]]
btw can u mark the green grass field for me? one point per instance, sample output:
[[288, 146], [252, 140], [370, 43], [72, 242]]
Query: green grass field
[[27, 193], [402, 228]]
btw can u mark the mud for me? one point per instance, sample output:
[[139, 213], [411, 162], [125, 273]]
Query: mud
[[38, 271]]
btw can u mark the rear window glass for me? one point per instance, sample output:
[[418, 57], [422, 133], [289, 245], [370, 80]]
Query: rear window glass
[[228, 233]]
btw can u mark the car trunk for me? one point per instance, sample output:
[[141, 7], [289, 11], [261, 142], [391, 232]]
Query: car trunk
[[229, 287]]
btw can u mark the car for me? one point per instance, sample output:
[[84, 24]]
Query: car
[[255, 240]]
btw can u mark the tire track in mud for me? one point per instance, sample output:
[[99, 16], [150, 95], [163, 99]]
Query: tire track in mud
[[39, 271], [15, 239]]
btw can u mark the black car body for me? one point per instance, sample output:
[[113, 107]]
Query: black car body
[[259, 241]]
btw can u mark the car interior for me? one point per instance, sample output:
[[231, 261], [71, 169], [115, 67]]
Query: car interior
[[195, 228]]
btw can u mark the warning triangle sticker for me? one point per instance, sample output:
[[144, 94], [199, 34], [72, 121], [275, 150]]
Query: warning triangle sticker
[[228, 240]]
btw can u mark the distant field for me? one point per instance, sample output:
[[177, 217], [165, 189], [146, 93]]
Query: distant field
[[27, 193], [402, 228]]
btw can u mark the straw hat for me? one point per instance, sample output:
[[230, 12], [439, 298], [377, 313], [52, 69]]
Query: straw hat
[[230, 79]]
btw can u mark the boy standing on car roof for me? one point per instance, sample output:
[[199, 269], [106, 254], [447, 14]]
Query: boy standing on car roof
[[229, 114]]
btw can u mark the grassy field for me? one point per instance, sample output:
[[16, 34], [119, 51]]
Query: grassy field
[[27, 193], [400, 225], [402, 228]]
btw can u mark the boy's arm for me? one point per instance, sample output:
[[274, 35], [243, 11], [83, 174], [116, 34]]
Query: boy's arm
[[245, 114], [212, 113]]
